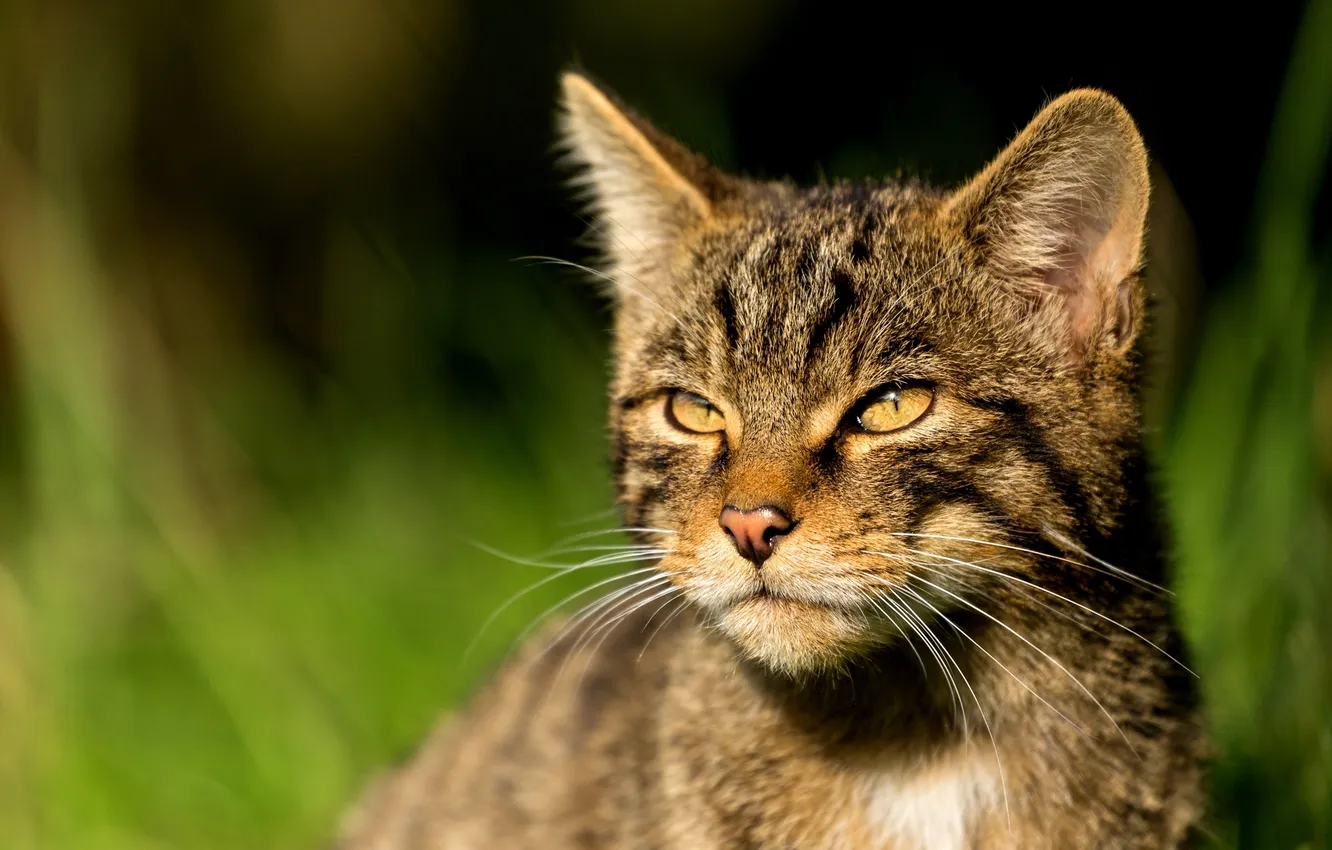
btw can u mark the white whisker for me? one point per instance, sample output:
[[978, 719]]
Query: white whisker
[[596, 607], [1113, 570], [592, 614], [562, 570], [936, 649], [607, 628], [684, 603], [553, 565], [1047, 656], [990, 656], [601, 532], [1060, 597], [1061, 540], [556, 261], [608, 614], [595, 516], [989, 730], [604, 547], [541, 618], [903, 627], [596, 226]]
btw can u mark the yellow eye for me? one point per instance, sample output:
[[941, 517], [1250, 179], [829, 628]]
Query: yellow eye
[[895, 409], [694, 413]]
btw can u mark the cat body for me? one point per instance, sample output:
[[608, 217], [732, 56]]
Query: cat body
[[880, 444]]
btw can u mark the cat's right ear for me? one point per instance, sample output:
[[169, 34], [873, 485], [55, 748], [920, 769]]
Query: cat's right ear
[[644, 189]]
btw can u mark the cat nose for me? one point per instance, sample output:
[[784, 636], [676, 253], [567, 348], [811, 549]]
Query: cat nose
[[754, 531]]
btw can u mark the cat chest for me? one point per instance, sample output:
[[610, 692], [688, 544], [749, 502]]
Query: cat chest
[[933, 807]]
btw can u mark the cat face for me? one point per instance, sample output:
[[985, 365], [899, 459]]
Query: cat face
[[847, 410]]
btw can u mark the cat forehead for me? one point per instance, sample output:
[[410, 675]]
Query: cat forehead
[[784, 230], [807, 247], [810, 291]]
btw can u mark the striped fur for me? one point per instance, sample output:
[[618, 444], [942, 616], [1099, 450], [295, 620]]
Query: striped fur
[[962, 642]]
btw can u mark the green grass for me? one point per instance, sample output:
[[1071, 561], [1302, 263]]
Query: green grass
[[1250, 497]]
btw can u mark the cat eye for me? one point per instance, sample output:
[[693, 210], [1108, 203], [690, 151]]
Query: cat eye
[[894, 408], [693, 413]]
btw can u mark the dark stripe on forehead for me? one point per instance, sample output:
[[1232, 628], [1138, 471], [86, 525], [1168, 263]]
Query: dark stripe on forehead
[[843, 302], [669, 346], [724, 303], [902, 347], [860, 195], [863, 244], [808, 262], [860, 251]]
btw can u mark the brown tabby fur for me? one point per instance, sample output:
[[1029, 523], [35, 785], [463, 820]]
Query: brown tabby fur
[[811, 703]]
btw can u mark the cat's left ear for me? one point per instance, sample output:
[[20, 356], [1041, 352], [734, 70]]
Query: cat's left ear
[[645, 189], [1061, 215]]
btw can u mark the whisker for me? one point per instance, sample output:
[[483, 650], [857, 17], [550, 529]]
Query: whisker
[[596, 607], [603, 547], [1113, 571], [875, 599], [615, 222], [1042, 652], [989, 730], [600, 532], [562, 570], [625, 602], [653, 615], [1061, 540], [608, 628], [544, 615], [552, 565], [936, 648], [1060, 597], [556, 261], [684, 603], [1001, 664], [589, 518], [592, 613], [595, 226]]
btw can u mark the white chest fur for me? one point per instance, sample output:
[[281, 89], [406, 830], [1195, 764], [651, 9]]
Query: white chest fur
[[934, 806]]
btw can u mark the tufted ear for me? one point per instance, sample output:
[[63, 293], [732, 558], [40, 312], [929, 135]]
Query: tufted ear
[[1061, 215], [644, 189]]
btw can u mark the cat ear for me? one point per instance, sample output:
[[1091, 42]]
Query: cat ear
[[644, 189], [1061, 215]]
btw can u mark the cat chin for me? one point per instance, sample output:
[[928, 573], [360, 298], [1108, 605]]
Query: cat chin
[[795, 638]]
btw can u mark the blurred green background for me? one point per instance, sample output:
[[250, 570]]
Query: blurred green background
[[267, 362]]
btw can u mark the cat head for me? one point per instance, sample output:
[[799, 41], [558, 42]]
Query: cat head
[[849, 408]]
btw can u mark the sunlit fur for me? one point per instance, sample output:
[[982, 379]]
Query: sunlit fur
[[963, 641]]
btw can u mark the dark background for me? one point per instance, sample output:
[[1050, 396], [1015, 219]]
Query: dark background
[[269, 364]]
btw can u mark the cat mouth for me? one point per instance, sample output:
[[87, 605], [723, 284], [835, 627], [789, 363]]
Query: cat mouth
[[758, 592], [768, 602], [765, 594], [760, 596]]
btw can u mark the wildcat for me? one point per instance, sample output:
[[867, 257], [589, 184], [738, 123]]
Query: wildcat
[[881, 444]]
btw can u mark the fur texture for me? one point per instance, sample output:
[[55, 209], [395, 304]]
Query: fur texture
[[963, 641]]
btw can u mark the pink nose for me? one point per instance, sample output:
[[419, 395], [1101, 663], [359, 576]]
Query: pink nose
[[754, 532]]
